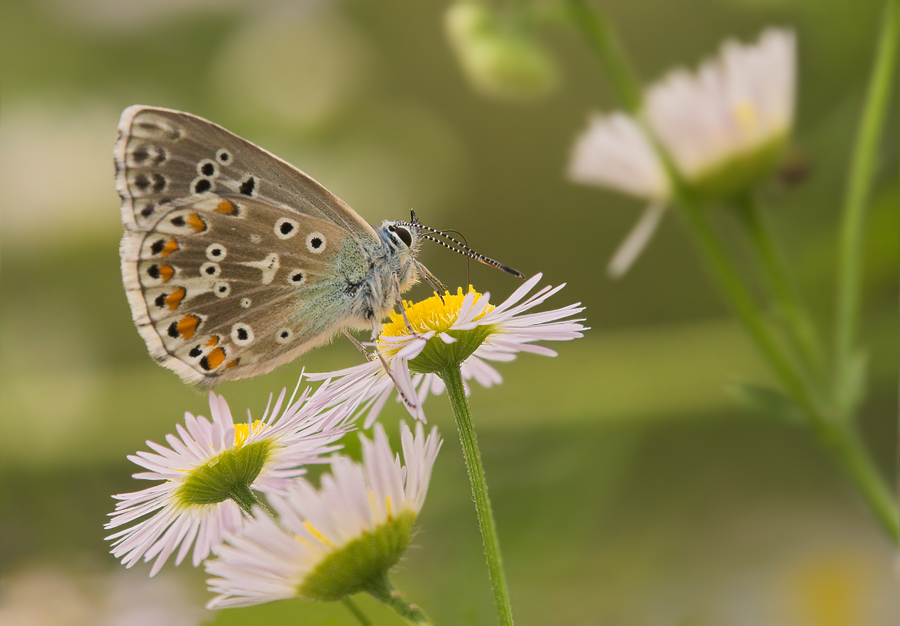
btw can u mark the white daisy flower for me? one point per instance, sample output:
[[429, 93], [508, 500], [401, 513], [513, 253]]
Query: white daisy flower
[[454, 330], [209, 471], [723, 129], [734, 113], [332, 542]]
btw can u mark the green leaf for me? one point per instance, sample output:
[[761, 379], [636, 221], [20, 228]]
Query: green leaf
[[769, 403]]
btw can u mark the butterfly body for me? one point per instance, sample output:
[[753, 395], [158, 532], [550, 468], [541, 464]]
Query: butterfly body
[[234, 261]]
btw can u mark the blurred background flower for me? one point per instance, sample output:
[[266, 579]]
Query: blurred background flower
[[679, 507]]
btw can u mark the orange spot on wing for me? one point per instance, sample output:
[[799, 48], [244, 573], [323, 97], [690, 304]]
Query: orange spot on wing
[[187, 326], [226, 207], [170, 247], [175, 298], [212, 341], [215, 358], [193, 220], [233, 363], [166, 272]]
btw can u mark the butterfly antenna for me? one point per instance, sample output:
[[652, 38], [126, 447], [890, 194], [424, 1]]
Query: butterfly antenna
[[468, 258], [462, 248]]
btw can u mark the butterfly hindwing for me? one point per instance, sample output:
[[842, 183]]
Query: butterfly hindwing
[[228, 278]]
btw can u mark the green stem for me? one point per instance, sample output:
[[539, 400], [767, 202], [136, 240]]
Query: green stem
[[243, 495], [452, 377], [844, 442], [357, 613], [862, 171], [603, 41], [835, 435], [800, 331], [381, 589], [732, 287]]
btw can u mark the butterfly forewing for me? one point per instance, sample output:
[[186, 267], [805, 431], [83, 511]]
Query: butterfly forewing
[[234, 261]]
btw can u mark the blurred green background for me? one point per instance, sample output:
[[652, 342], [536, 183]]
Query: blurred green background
[[629, 489]]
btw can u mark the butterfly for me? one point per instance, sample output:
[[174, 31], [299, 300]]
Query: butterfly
[[235, 262]]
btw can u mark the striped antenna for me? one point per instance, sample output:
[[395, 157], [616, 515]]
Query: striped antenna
[[463, 248]]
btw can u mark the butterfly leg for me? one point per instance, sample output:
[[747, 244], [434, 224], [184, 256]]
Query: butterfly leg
[[356, 343], [431, 279], [387, 370], [401, 305], [412, 406]]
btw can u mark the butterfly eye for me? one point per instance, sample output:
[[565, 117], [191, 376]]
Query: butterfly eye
[[404, 235]]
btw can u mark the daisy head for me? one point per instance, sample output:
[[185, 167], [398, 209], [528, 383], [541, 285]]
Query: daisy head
[[212, 468], [724, 126], [718, 130], [462, 331], [334, 541]]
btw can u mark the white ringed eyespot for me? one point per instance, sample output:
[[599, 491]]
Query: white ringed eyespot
[[210, 269], [315, 243], [241, 334], [285, 228], [283, 335], [222, 289], [216, 252]]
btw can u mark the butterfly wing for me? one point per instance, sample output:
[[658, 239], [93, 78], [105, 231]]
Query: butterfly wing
[[164, 156], [234, 262]]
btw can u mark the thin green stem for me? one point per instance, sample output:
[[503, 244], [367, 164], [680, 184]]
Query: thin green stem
[[844, 442], [452, 377], [859, 184], [800, 330], [736, 294], [356, 611], [381, 589], [839, 438], [603, 42], [243, 495]]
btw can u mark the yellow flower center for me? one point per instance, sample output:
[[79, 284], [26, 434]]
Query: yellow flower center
[[242, 431], [431, 314], [746, 116]]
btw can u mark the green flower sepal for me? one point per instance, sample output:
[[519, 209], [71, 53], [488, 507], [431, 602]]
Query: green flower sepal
[[362, 564], [438, 356], [226, 476], [737, 175]]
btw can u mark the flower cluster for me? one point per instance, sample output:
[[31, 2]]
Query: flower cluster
[[342, 538], [335, 541]]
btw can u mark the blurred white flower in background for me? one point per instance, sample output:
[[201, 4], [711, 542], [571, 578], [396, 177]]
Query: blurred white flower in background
[[723, 128], [732, 107]]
